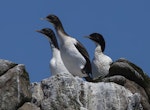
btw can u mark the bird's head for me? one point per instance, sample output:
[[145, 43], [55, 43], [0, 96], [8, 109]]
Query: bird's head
[[47, 31], [53, 19], [98, 39]]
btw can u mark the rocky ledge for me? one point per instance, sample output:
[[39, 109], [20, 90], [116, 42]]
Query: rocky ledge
[[65, 92]]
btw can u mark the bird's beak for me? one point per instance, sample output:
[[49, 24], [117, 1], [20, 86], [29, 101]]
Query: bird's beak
[[87, 37], [44, 19], [39, 31]]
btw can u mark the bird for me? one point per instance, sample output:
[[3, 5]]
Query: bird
[[101, 62], [56, 64], [73, 53]]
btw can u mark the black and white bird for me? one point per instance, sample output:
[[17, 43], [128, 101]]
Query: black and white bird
[[101, 62], [56, 64], [73, 53]]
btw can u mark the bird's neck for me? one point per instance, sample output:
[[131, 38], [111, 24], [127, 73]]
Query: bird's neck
[[54, 47], [61, 32], [54, 43], [55, 52], [98, 50]]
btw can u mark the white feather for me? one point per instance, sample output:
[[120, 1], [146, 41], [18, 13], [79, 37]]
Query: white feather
[[100, 64], [56, 64]]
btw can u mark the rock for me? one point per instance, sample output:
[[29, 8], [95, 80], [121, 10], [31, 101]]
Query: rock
[[29, 106], [14, 85], [132, 86], [132, 72], [66, 92], [37, 93], [63, 92], [135, 102], [126, 70], [5, 65]]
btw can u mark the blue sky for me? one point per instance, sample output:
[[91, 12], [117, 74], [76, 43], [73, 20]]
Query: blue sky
[[124, 24]]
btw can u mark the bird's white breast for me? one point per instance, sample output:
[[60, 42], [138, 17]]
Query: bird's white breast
[[56, 64], [100, 65], [72, 58]]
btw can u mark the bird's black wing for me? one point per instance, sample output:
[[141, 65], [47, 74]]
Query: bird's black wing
[[87, 69]]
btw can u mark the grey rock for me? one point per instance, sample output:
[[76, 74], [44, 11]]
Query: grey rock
[[14, 88], [135, 102], [63, 92], [5, 65], [121, 80], [126, 70], [29, 106], [37, 93], [132, 86], [132, 72]]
